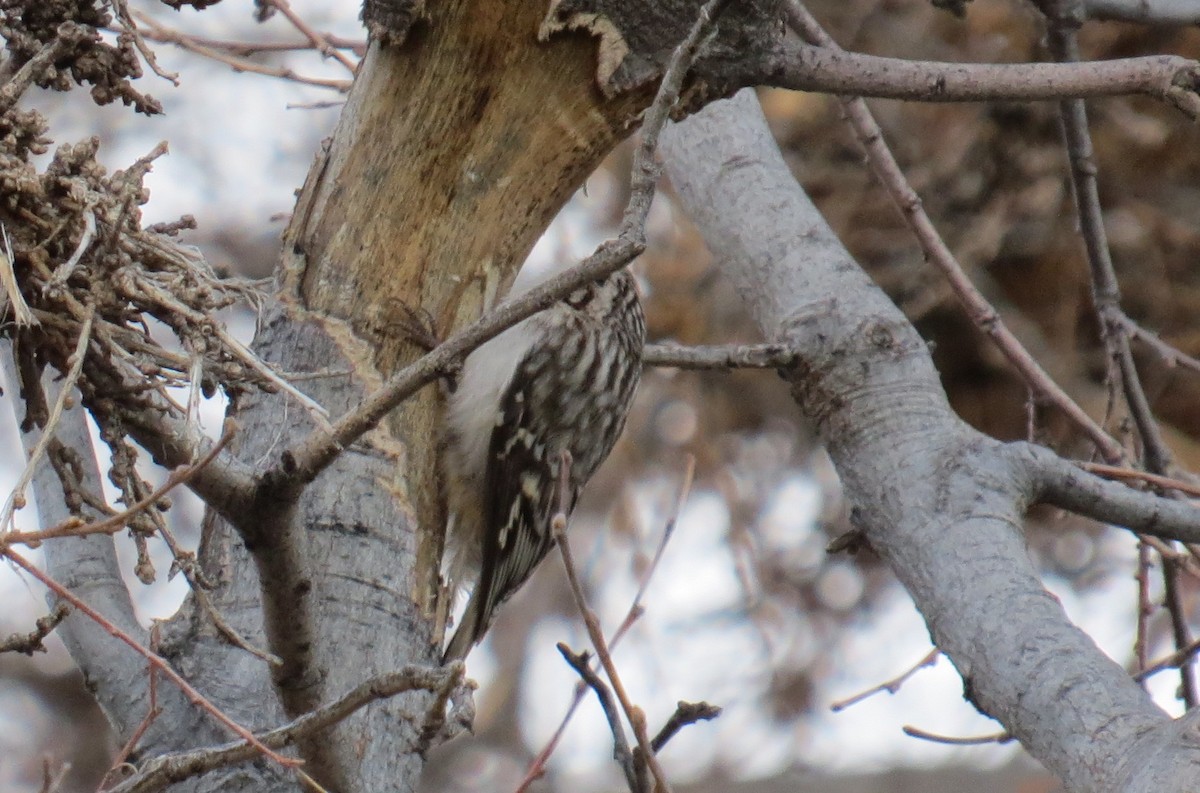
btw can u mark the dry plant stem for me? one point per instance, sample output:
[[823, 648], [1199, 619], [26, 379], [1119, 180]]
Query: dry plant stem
[[194, 696], [916, 732], [728, 356], [156, 32], [302, 463], [118, 521], [1063, 18], [68, 35], [537, 767], [982, 313], [890, 686], [637, 719], [827, 70], [17, 497], [318, 41], [635, 773], [166, 770]]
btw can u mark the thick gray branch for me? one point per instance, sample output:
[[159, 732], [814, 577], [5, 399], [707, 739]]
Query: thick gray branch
[[1064, 485], [941, 503]]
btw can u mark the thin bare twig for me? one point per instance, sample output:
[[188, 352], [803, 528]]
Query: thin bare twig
[[156, 32], [635, 773], [537, 767], [1170, 354], [318, 40], [153, 711], [685, 713], [916, 732], [890, 686], [1132, 474], [130, 27]]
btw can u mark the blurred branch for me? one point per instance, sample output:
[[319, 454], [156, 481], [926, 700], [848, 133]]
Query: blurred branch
[[1170, 354], [154, 31], [685, 713], [890, 686], [1132, 474], [976, 740], [316, 40], [728, 356], [168, 769]]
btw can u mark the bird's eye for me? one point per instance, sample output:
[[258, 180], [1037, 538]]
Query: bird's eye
[[580, 297]]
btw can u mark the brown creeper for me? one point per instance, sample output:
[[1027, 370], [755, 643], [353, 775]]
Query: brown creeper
[[561, 380]]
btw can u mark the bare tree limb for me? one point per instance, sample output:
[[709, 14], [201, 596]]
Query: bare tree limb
[[166, 770], [865, 379], [802, 67], [1063, 484]]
